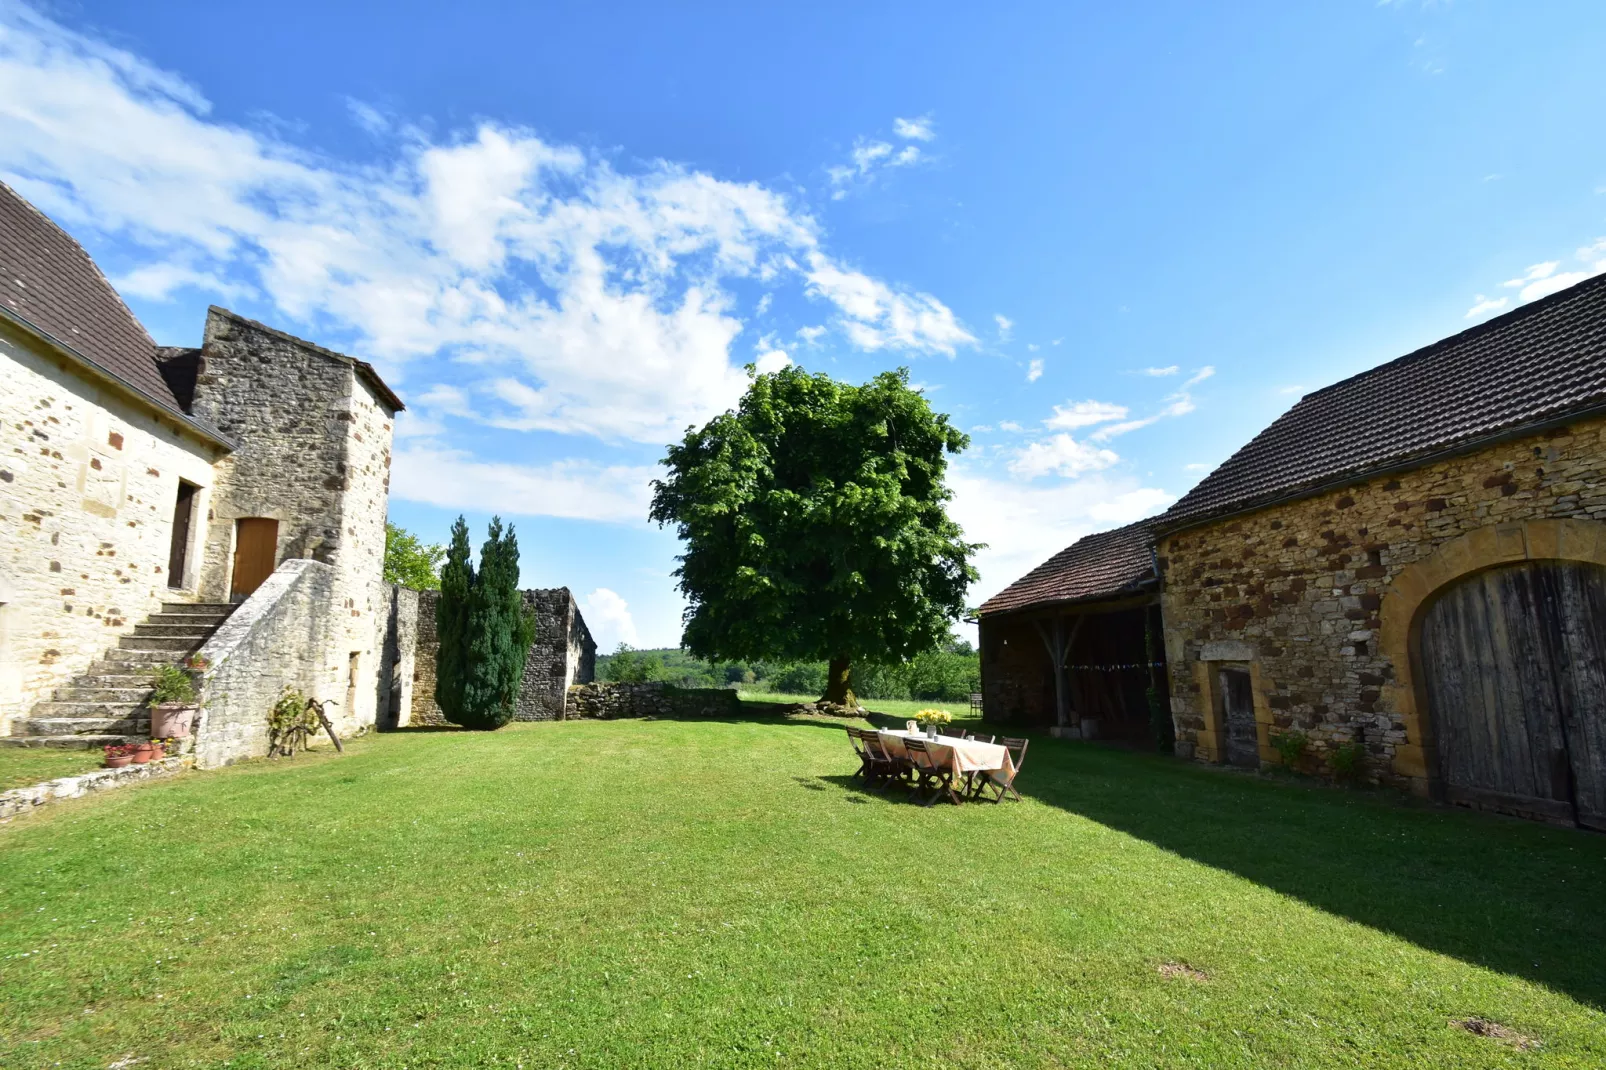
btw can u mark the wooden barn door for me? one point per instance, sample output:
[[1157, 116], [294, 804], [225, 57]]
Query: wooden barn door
[[256, 543], [1514, 663], [1238, 715]]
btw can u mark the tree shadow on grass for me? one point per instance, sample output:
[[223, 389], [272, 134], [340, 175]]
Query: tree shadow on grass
[[1514, 896]]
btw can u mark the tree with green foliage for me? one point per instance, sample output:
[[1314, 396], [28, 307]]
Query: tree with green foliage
[[410, 562], [814, 524], [483, 628]]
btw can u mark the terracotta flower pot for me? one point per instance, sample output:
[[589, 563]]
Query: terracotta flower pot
[[119, 761], [146, 752], [171, 720]]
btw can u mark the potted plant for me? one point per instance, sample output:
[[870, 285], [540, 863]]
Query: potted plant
[[118, 754], [933, 719], [144, 752], [173, 702]]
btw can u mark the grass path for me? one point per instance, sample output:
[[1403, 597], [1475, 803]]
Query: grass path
[[667, 894]]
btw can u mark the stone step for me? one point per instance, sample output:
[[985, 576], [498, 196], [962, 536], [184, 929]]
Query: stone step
[[119, 681], [136, 692], [175, 630], [223, 608], [94, 742], [142, 661], [200, 620], [174, 644], [85, 726], [88, 709]]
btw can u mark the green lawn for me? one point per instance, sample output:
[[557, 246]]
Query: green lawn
[[897, 708], [21, 767], [669, 893]]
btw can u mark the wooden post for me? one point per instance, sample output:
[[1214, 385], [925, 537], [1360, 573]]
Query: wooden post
[[1058, 645]]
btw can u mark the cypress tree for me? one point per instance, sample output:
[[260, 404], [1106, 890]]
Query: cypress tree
[[451, 625], [497, 633]]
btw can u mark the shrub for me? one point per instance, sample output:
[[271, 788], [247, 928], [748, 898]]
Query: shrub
[[800, 678], [1290, 746], [172, 685], [1348, 761], [484, 630]]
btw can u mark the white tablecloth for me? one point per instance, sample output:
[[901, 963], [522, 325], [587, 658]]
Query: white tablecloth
[[958, 755]]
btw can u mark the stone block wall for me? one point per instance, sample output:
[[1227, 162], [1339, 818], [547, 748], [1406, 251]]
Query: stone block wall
[[425, 711], [1298, 592], [398, 647], [88, 483], [282, 636], [563, 654], [606, 701]]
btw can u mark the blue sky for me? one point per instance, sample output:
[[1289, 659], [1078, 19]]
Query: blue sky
[[1113, 241]]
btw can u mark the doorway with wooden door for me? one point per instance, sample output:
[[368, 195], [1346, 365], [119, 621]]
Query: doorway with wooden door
[[178, 551], [1241, 743], [1513, 663], [256, 543]]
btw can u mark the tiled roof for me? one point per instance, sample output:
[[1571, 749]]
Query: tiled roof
[[1539, 363], [1098, 566], [51, 284]]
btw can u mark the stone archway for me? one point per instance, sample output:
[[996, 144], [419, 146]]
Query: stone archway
[[1406, 598]]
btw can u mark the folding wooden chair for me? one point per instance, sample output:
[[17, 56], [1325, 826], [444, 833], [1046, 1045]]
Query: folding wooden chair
[[866, 763], [930, 773], [885, 766], [1003, 783]]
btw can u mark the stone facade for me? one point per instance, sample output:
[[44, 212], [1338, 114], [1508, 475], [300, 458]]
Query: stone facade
[[424, 710], [1316, 597], [613, 701], [88, 480], [563, 654]]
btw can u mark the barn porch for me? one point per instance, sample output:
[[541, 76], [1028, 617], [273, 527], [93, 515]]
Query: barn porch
[[1077, 644]]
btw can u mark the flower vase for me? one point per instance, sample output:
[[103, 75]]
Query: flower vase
[[931, 732]]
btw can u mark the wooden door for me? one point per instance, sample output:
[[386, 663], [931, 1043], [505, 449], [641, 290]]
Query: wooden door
[[256, 542], [178, 551], [1514, 664], [1238, 717]]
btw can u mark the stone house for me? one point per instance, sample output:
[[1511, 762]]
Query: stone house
[[1408, 568], [155, 499]]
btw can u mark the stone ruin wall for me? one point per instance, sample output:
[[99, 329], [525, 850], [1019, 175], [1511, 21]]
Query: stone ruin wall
[[608, 701], [1297, 589], [563, 654]]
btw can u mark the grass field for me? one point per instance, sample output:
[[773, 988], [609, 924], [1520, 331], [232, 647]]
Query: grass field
[[23, 766], [668, 894]]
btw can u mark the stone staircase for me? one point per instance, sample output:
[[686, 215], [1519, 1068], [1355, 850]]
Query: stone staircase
[[107, 703]]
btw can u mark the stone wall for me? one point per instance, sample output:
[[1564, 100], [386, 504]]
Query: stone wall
[[282, 636], [398, 649], [88, 483], [612, 701], [424, 709], [1297, 593], [563, 654]]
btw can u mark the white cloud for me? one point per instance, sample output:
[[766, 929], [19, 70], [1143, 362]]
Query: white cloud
[[579, 490], [870, 156], [811, 335], [1024, 524], [772, 361], [1170, 369], [1543, 279], [1076, 414], [1060, 455], [876, 316], [914, 129], [1196, 467], [1009, 425], [1482, 304], [1199, 376], [1006, 326], [1034, 371], [572, 297], [608, 617]]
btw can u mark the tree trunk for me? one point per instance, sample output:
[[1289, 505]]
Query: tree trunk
[[838, 688]]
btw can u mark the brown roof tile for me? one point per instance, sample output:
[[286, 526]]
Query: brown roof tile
[[1535, 365], [1098, 566], [49, 282]]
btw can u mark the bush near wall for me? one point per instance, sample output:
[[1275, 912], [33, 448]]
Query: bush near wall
[[946, 676]]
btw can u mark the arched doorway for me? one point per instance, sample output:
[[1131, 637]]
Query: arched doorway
[[1513, 666]]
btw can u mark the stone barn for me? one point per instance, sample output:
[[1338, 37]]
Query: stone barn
[[1408, 570], [229, 497]]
